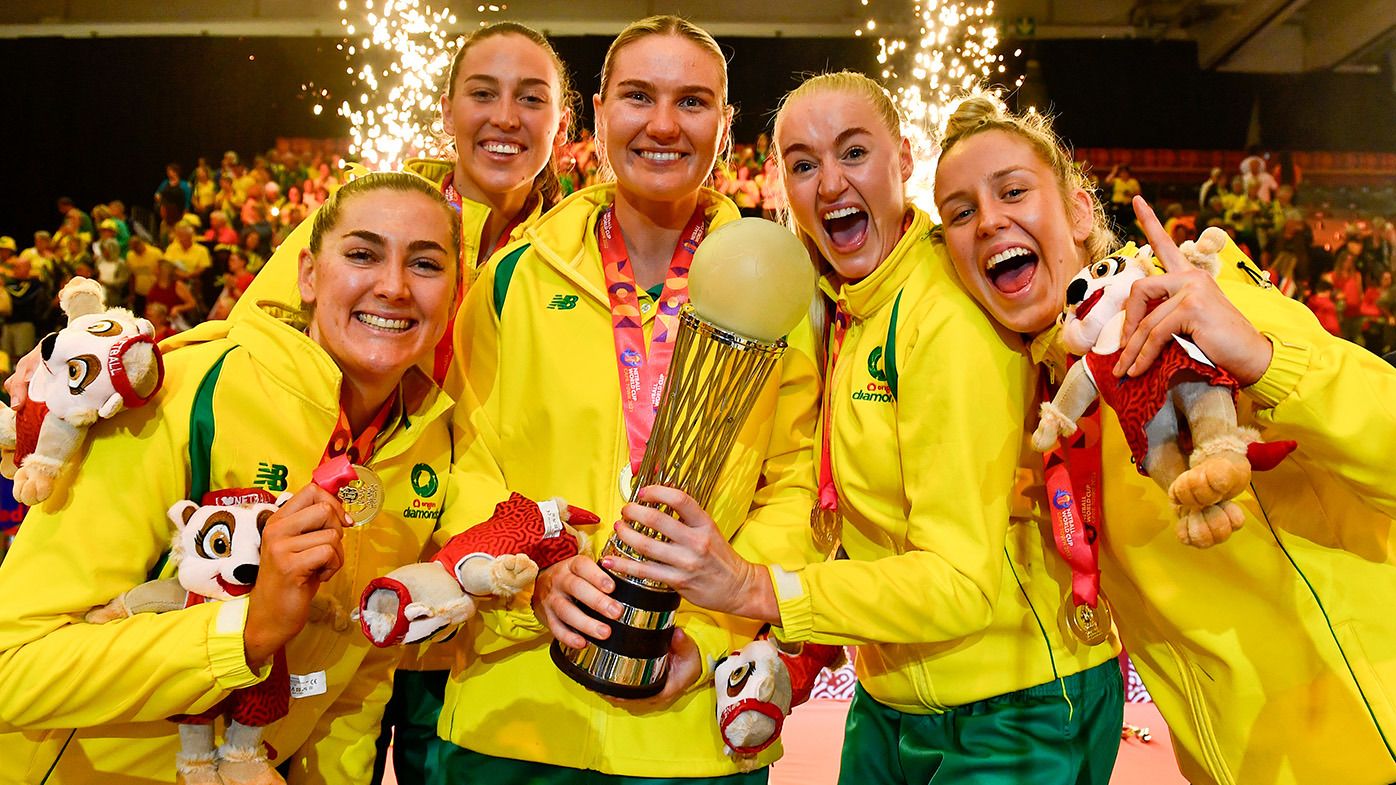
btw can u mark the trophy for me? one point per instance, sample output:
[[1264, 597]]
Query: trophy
[[750, 283]]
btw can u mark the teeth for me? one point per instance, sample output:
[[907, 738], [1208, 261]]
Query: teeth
[[1003, 256], [504, 148], [842, 212], [658, 156], [381, 323]]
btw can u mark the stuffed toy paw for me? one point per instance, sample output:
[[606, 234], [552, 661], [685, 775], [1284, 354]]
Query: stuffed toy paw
[[499, 557], [1207, 526]]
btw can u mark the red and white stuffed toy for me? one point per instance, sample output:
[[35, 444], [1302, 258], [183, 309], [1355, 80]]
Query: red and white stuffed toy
[[217, 552], [758, 686], [499, 557], [1179, 418], [104, 361]]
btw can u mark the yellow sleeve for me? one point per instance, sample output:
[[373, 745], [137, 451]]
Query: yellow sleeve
[[1336, 399], [960, 408], [91, 541], [341, 747]]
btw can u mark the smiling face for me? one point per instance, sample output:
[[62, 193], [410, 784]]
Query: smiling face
[[1015, 240], [505, 113], [845, 174], [663, 117], [381, 283]]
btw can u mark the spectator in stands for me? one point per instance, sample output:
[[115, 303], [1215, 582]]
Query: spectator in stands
[[226, 198], [1253, 171], [172, 292], [1321, 302], [112, 271], [73, 253], [66, 207], [254, 250], [159, 316], [71, 227], [42, 255], [8, 250], [173, 190], [107, 230], [29, 302], [1123, 188], [1374, 318], [220, 232], [143, 262], [1215, 185], [1347, 293], [1236, 192], [189, 258], [203, 189], [235, 282], [1242, 216]]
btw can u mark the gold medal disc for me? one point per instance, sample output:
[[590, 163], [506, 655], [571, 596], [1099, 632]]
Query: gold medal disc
[[362, 498], [827, 528], [1090, 625], [626, 481]]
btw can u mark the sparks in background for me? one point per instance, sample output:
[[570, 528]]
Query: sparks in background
[[942, 49], [399, 52]]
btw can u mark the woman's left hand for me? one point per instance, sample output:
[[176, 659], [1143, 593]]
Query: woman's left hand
[[685, 666], [1193, 305], [697, 561]]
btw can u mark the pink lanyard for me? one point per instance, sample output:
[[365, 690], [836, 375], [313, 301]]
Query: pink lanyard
[[1073, 479], [642, 374], [828, 494]]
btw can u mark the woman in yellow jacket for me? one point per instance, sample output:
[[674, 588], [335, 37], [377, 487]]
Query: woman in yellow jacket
[[539, 353], [251, 403], [966, 670], [1272, 655]]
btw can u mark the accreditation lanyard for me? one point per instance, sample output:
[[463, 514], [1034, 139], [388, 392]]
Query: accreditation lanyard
[[359, 449], [642, 372], [1073, 479], [828, 494]]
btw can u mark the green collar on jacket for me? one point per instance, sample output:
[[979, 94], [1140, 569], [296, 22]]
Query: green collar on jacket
[[867, 296], [575, 255]]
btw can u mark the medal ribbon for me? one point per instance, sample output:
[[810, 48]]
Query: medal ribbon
[[828, 494], [1073, 479], [642, 373], [358, 449]]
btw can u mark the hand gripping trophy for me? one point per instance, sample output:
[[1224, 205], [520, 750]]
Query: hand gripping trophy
[[750, 284]]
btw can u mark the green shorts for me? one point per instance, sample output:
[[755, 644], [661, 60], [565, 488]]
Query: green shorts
[[459, 766], [410, 721], [1026, 736]]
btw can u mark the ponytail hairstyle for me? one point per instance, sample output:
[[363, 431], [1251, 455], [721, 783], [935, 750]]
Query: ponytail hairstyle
[[982, 111]]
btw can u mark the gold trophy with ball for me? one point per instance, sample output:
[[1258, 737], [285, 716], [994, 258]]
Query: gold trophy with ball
[[750, 284]]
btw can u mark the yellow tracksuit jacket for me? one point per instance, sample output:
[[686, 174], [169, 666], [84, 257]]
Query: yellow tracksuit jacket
[[276, 280], [535, 344], [1273, 655], [952, 594], [272, 409]]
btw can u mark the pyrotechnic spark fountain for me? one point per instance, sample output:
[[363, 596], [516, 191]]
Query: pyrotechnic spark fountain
[[948, 49], [399, 53]]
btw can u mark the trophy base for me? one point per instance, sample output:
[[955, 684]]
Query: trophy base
[[585, 678]]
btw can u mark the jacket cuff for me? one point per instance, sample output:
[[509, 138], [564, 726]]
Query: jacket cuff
[[515, 623], [227, 654], [796, 610], [1287, 366]]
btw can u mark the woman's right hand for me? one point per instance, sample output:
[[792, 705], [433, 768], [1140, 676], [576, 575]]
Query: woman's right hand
[[560, 587], [301, 548]]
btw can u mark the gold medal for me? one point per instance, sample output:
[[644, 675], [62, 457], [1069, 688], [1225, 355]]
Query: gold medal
[[1090, 625], [827, 528], [627, 481], [362, 498]]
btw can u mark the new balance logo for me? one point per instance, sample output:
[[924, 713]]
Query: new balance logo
[[271, 476], [563, 302]]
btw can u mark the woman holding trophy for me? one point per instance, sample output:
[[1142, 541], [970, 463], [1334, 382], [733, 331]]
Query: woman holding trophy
[[562, 353], [973, 662]]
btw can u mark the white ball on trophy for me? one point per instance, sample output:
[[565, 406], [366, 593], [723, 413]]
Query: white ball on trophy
[[752, 277]]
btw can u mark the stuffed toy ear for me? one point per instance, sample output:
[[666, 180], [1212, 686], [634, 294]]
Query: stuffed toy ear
[[181, 512], [80, 297]]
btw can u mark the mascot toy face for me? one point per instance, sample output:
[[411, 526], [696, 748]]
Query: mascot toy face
[[1098, 293], [218, 545], [96, 367]]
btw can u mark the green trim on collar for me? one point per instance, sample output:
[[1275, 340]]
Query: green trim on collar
[[503, 274]]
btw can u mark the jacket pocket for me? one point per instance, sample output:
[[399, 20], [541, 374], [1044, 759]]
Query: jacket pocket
[[1371, 683]]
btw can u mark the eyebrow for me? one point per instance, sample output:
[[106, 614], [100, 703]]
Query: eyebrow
[[378, 239], [998, 175], [844, 136], [651, 87], [527, 81]]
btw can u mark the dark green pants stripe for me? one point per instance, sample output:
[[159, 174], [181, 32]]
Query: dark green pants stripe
[[1026, 736], [459, 766]]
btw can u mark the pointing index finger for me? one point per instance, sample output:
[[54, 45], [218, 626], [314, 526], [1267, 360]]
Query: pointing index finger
[[1163, 246]]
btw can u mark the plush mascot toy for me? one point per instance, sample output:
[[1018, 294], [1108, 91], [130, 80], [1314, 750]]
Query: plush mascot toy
[[104, 361], [499, 557], [757, 686], [216, 548], [1179, 418]]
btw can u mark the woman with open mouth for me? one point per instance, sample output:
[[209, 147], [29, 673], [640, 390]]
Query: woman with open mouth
[[548, 339], [966, 672], [1272, 654], [257, 403]]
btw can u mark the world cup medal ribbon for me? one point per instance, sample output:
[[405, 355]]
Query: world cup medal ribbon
[[1090, 625]]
